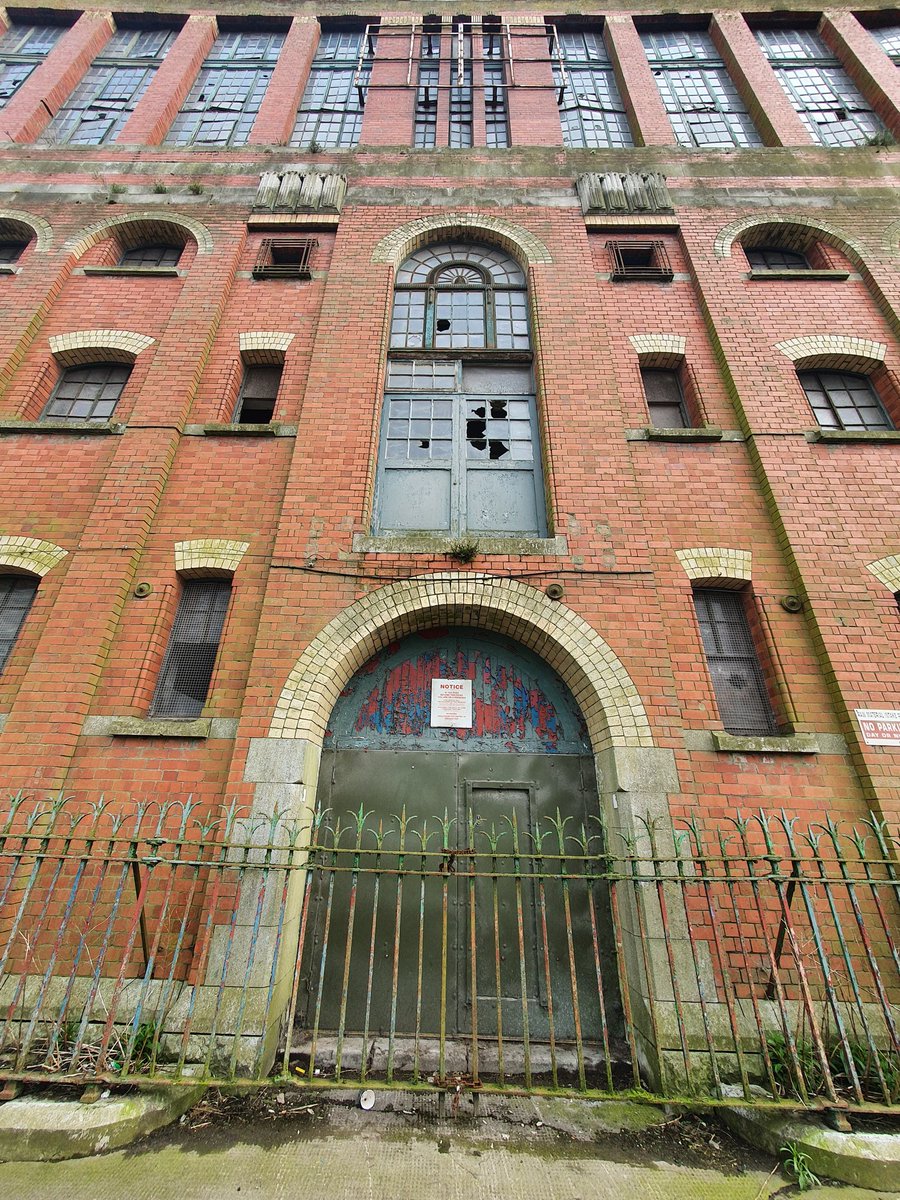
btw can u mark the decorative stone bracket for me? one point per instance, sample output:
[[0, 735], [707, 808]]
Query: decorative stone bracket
[[300, 191], [622, 192]]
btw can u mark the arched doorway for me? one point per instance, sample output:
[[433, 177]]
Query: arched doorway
[[457, 921]]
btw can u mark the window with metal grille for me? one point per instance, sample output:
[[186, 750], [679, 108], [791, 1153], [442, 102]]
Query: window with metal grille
[[665, 398], [259, 391], [22, 48], [331, 110], [447, 62], [151, 255], [88, 393], [285, 258], [104, 98], [461, 107], [187, 668], [639, 260], [590, 106], [496, 115], [425, 127], [222, 105], [16, 596], [824, 96], [773, 258], [459, 443], [733, 661], [703, 104], [843, 400], [888, 37]]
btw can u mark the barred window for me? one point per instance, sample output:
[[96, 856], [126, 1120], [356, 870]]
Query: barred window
[[446, 60], [702, 102], [824, 96], [733, 660], [665, 398], [843, 400], [425, 128], [259, 391], [590, 106], [496, 114], [156, 254], [331, 110], [222, 105], [88, 393], [193, 645], [22, 48], [16, 596], [101, 103]]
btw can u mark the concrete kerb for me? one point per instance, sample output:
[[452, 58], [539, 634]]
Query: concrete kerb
[[870, 1160], [40, 1129]]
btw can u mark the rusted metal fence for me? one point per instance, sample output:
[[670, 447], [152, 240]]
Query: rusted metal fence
[[743, 960]]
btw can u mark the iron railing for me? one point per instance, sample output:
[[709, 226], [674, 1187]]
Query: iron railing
[[726, 961]]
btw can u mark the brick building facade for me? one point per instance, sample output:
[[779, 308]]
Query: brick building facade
[[669, 244]]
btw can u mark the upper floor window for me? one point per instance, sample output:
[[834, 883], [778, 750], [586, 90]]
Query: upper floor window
[[843, 400], [102, 101], [22, 48], [331, 110], [17, 593], [186, 673], [666, 403], [774, 258], [734, 662], [889, 38], [447, 59], [88, 393], [459, 443], [826, 99], [222, 105], [702, 102], [259, 391], [156, 254], [11, 250], [590, 106]]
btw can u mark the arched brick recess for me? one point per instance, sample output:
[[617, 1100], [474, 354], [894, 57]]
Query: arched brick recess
[[716, 564], [43, 234], [887, 571], [401, 242], [29, 554], [609, 700], [834, 350], [153, 221], [729, 234], [88, 345]]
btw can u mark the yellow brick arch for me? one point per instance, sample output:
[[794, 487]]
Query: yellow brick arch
[[28, 554], [520, 243], [608, 698]]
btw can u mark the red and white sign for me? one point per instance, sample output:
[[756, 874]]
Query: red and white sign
[[879, 726], [451, 703]]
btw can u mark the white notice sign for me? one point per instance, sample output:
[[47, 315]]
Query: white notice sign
[[451, 703], [879, 726]]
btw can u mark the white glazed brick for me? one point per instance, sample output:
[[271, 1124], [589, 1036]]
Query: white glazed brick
[[205, 554], [887, 571], [659, 349], [264, 349], [30, 554], [595, 675], [716, 564], [839, 350], [84, 345]]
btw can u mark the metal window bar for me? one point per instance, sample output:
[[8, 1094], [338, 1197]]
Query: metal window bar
[[461, 92], [434, 940], [17, 594], [428, 87], [330, 113], [102, 101], [824, 96], [591, 109], [285, 258], [88, 393], [733, 661], [193, 645], [639, 259], [496, 114], [222, 104], [22, 48]]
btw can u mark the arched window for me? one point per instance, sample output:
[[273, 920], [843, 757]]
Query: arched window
[[459, 445]]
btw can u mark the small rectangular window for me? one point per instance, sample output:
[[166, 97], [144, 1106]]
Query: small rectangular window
[[193, 645], [285, 258], [16, 596], [733, 660], [639, 260], [665, 399], [259, 391]]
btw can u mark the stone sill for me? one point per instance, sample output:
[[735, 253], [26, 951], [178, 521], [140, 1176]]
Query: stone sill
[[233, 429], [276, 222], [65, 425], [704, 433], [853, 435], [632, 222], [224, 728], [837, 276], [143, 272], [8, 269], [789, 743], [440, 544]]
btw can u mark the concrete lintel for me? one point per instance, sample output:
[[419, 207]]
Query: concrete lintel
[[704, 740], [792, 743]]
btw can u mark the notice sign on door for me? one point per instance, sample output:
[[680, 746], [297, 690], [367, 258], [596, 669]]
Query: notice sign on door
[[879, 726], [451, 703]]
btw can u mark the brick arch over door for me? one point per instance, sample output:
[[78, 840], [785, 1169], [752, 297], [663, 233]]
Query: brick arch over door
[[601, 686]]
